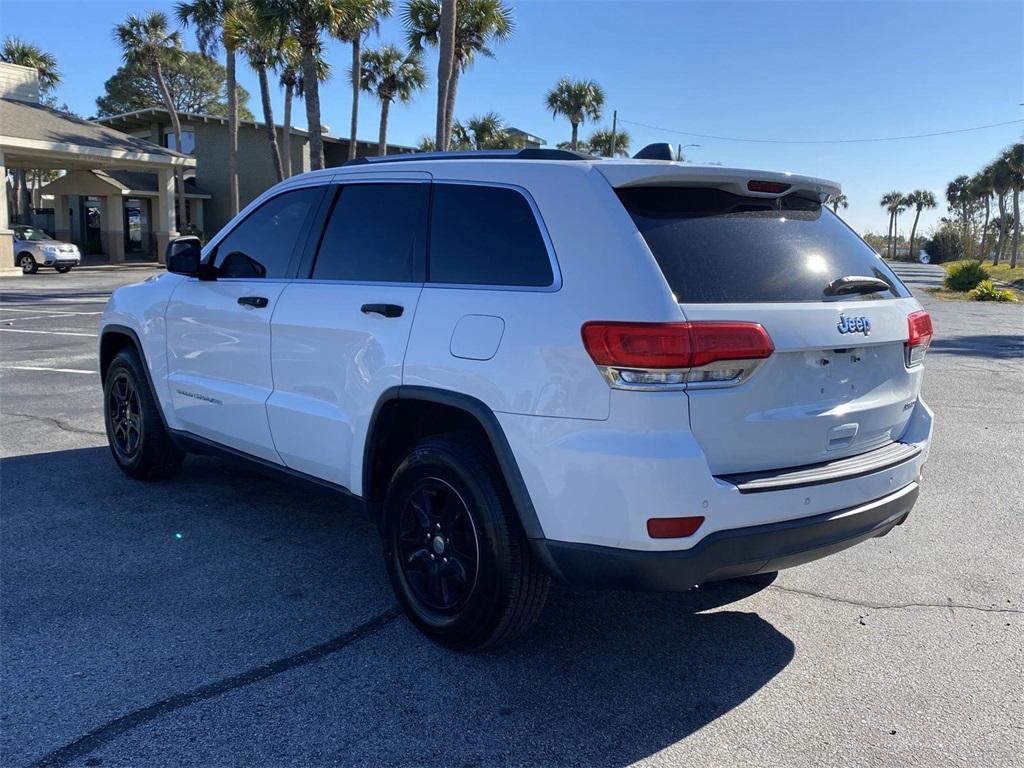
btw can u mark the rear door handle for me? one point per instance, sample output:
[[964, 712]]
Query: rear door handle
[[387, 310], [253, 301]]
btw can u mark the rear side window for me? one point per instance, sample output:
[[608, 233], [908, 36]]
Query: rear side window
[[485, 236], [374, 234], [263, 243], [717, 247]]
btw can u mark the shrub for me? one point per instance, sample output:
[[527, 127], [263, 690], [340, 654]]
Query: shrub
[[987, 291], [965, 275], [945, 245]]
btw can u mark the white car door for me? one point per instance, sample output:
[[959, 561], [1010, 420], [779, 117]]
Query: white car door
[[218, 331], [340, 335]]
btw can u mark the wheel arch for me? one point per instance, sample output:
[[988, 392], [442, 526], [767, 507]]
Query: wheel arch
[[436, 411], [113, 339]]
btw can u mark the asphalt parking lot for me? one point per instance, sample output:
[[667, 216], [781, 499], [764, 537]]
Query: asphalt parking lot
[[229, 619]]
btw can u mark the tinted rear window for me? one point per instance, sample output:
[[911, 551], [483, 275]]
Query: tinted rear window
[[485, 236], [717, 247]]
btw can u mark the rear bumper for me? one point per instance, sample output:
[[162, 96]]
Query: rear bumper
[[726, 554]]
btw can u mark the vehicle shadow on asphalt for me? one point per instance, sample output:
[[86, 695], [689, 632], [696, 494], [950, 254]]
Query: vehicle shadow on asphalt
[[1000, 346], [603, 679]]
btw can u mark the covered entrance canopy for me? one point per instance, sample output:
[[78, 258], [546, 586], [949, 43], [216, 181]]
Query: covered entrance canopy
[[35, 136], [119, 206]]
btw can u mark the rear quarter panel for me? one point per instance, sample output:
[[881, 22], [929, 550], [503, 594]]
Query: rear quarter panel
[[541, 367]]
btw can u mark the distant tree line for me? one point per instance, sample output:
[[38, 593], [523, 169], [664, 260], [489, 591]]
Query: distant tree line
[[983, 220]]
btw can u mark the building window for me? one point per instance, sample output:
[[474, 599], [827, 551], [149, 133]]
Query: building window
[[188, 141]]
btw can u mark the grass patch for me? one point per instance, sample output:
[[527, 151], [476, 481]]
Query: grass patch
[[1002, 272], [945, 293]]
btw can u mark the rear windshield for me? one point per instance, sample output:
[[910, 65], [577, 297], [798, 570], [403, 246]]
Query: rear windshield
[[717, 247]]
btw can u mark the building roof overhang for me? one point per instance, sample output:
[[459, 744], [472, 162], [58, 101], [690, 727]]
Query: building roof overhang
[[35, 136]]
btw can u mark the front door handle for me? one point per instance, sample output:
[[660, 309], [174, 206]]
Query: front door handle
[[253, 301], [387, 310]]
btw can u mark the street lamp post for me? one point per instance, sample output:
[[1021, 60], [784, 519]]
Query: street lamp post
[[681, 147]]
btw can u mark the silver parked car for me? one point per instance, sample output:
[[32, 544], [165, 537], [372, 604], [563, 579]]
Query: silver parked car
[[33, 247]]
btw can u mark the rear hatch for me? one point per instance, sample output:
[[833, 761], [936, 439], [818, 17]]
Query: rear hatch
[[838, 382]]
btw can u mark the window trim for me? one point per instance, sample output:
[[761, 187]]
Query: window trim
[[301, 244], [307, 264], [556, 272]]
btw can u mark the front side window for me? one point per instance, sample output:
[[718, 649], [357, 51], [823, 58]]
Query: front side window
[[485, 236], [263, 244], [374, 234]]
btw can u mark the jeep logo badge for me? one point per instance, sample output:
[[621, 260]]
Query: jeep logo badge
[[854, 325]]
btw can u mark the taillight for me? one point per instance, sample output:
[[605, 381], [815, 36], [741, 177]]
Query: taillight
[[919, 336], [676, 355]]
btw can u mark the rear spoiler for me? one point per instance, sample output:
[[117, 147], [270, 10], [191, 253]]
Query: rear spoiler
[[768, 184]]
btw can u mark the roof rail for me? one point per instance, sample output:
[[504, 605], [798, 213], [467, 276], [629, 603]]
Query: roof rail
[[477, 154]]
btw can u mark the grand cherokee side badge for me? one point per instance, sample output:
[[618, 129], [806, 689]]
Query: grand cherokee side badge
[[854, 325]]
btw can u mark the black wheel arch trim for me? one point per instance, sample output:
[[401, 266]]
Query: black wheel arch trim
[[124, 330], [492, 429]]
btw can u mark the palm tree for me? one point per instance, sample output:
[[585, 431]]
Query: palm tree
[[982, 191], [1002, 182], [459, 138], [358, 19], [837, 202], [291, 80], [920, 199], [261, 41], [208, 18], [892, 202], [601, 142], [485, 131], [958, 195], [478, 23], [445, 67], [15, 51], [1014, 157], [290, 64], [307, 20], [578, 100], [389, 74], [147, 42]]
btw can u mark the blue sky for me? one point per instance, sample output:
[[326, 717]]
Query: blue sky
[[758, 69]]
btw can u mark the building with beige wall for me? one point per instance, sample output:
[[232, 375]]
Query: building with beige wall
[[33, 136], [205, 137]]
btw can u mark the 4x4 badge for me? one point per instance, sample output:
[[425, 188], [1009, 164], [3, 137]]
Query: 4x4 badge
[[854, 325]]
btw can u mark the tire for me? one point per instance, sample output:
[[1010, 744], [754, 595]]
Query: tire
[[472, 603], [28, 264], [64, 269], [138, 441]]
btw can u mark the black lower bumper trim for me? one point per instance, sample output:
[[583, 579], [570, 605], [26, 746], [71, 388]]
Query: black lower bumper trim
[[726, 554]]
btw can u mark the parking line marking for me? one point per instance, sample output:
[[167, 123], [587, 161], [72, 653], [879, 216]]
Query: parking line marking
[[56, 313], [17, 300], [40, 317], [38, 368], [49, 333]]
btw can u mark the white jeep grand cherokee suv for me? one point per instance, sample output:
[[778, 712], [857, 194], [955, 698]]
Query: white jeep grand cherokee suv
[[533, 365]]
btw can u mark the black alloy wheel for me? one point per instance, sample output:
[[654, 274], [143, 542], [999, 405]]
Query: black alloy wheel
[[438, 545], [125, 416]]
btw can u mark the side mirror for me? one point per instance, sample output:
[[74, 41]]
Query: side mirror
[[184, 255]]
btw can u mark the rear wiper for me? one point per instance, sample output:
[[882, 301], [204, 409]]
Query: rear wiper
[[856, 284]]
